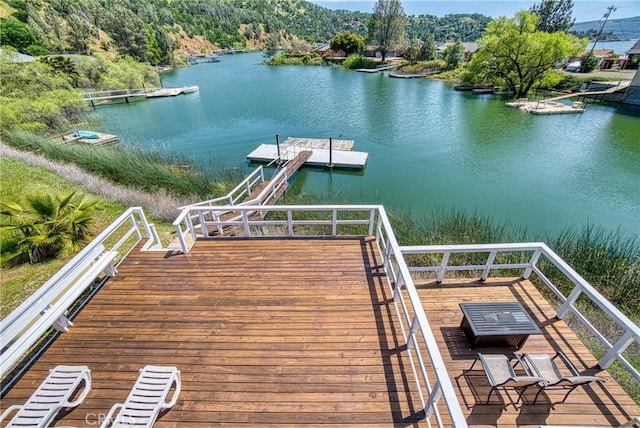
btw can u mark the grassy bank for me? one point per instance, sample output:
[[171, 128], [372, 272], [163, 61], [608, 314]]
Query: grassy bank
[[150, 171], [19, 179]]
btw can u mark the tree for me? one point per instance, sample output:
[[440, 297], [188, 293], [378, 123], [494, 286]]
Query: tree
[[387, 25], [46, 226], [554, 15], [347, 42], [588, 62], [15, 33], [271, 45], [428, 50], [513, 54], [413, 51], [453, 55]]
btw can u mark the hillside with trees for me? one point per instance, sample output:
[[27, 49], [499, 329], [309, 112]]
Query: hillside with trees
[[154, 31]]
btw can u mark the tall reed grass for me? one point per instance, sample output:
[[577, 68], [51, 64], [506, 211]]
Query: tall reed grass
[[146, 170]]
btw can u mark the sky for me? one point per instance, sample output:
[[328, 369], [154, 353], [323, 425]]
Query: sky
[[583, 10]]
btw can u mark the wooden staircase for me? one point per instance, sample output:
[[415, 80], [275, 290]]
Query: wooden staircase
[[279, 188]]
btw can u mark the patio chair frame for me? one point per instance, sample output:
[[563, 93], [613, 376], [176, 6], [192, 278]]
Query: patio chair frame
[[562, 382], [512, 381]]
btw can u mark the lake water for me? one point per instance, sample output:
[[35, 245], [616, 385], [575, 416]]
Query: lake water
[[429, 146]]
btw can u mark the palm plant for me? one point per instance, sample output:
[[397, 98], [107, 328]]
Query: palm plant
[[44, 227]]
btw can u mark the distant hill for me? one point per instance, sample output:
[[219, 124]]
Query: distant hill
[[618, 29]]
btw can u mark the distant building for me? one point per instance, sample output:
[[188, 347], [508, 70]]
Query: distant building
[[325, 51], [634, 54], [470, 48], [632, 95]]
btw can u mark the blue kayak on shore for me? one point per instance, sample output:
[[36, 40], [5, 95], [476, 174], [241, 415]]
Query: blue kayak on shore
[[86, 134]]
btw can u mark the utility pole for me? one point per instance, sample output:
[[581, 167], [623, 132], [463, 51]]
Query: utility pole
[[606, 17]]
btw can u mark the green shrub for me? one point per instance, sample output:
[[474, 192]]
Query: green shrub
[[358, 61], [425, 67], [296, 58]]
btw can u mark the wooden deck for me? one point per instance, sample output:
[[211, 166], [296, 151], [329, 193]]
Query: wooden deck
[[595, 405], [275, 332], [264, 331]]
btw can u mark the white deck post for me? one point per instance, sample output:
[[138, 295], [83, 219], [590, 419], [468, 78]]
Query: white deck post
[[290, 222], [621, 345], [487, 269], [534, 260], [203, 227], [443, 266], [573, 296], [334, 222], [372, 219], [434, 396]]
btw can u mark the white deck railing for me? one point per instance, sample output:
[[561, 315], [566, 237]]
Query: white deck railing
[[333, 220], [193, 220], [47, 306], [614, 347]]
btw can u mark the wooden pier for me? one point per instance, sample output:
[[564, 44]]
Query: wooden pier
[[324, 153], [553, 106], [127, 95]]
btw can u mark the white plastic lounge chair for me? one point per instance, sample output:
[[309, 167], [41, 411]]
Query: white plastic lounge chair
[[146, 399], [52, 395], [545, 366], [501, 374]]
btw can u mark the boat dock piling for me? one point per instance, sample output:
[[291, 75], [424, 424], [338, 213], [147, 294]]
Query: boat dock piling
[[327, 153]]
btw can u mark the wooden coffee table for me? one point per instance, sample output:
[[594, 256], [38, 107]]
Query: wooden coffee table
[[497, 324]]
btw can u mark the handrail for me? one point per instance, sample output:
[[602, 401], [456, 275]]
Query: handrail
[[419, 338], [23, 321], [184, 224], [243, 189], [631, 331]]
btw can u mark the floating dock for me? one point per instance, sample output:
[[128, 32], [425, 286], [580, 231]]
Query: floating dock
[[172, 92], [101, 139], [547, 107], [341, 155]]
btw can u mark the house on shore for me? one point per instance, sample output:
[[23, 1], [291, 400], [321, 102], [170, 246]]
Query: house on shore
[[470, 48]]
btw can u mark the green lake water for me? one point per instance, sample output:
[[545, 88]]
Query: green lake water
[[429, 146]]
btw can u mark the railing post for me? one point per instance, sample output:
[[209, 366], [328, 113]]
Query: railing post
[[183, 243], [134, 225], [290, 221], [203, 226], [398, 283], [566, 306], [190, 226], [334, 222], [443, 266], [621, 345], [245, 222], [412, 333], [532, 263], [387, 252], [216, 218], [372, 219], [434, 396], [487, 269]]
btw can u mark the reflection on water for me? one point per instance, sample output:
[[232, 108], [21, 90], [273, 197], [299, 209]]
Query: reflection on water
[[429, 146]]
